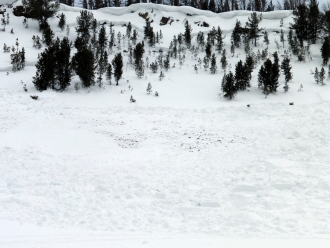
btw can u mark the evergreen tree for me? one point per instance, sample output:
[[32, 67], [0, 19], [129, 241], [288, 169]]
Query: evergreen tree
[[322, 76], [316, 76], [187, 34], [326, 23], [213, 67], [84, 25], [47, 36], [228, 86], [109, 72], [167, 62], [138, 59], [275, 73], [62, 70], [146, 29], [266, 39], [232, 49], [236, 34], [300, 19], [102, 40], [128, 30], [117, 64], [83, 62], [314, 21], [286, 69], [62, 22], [45, 77], [241, 76], [253, 27], [325, 50], [208, 50], [223, 60], [282, 37], [265, 77], [40, 10], [219, 40], [200, 39], [149, 88]]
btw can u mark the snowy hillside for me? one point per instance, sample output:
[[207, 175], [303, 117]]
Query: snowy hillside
[[189, 168]]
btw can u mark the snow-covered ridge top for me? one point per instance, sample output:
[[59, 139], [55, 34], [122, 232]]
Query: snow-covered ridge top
[[184, 9]]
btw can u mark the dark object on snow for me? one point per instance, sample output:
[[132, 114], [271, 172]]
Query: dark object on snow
[[132, 99], [34, 97], [205, 24], [164, 20], [248, 105], [291, 103], [19, 11]]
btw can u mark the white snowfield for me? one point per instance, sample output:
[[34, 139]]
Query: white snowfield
[[185, 169]]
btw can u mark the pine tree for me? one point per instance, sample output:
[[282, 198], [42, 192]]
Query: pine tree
[[134, 36], [200, 39], [236, 34], [314, 21], [83, 62], [253, 27], [149, 89], [213, 67], [228, 86], [62, 70], [265, 77], [275, 73], [167, 62], [241, 77], [266, 39], [109, 72], [47, 36], [45, 76], [138, 59], [117, 64], [84, 25], [223, 60], [282, 37], [102, 40], [322, 76], [187, 34], [325, 50], [128, 30], [300, 19], [316, 76], [154, 67], [62, 22], [208, 50], [40, 10], [232, 50], [219, 40], [286, 69]]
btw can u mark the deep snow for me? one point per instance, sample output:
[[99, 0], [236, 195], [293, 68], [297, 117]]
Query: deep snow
[[186, 169]]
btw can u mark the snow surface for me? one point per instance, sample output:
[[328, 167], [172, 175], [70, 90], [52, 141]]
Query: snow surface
[[185, 169]]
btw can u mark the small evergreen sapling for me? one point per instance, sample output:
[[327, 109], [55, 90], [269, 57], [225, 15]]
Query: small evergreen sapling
[[213, 67], [109, 72], [322, 76], [223, 60], [161, 76], [316, 75], [149, 89]]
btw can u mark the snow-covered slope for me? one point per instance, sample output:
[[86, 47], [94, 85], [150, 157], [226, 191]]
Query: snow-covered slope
[[185, 169]]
